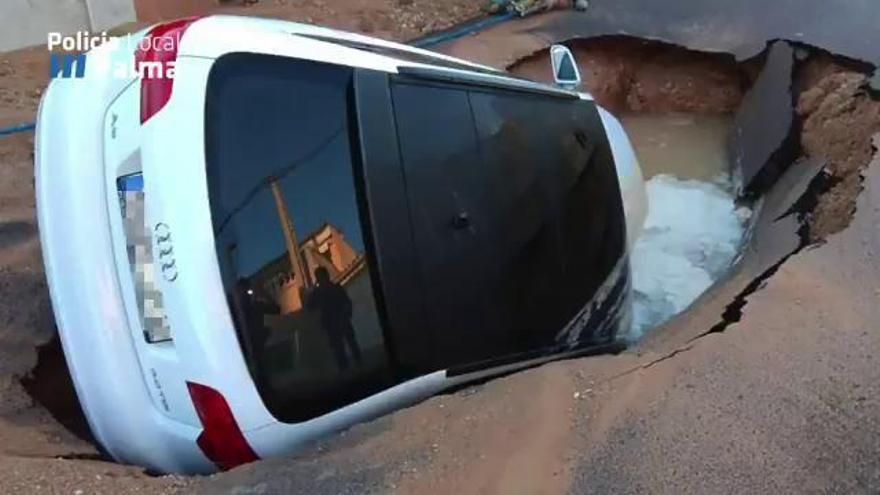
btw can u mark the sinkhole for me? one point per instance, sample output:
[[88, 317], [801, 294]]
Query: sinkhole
[[714, 137]]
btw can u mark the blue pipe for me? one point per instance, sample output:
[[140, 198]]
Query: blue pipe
[[461, 30], [430, 40], [29, 126]]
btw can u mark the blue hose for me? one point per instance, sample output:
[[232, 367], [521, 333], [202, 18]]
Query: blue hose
[[18, 128], [430, 40], [461, 30]]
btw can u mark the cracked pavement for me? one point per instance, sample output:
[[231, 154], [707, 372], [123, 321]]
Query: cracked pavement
[[785, 400]]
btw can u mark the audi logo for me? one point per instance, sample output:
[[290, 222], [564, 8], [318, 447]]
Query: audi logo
[[167, 263]]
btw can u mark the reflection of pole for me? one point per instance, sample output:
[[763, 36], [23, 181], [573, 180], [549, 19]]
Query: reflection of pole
[[296, 261]]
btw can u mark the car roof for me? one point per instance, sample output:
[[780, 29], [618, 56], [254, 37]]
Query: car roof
[[254, 28], [215, 36]]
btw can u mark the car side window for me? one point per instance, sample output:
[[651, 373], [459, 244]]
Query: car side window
[[555, 184], [516, 134], [513, 214]]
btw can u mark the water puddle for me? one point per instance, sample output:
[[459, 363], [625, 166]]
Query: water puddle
[[686, 146], [694, 228]]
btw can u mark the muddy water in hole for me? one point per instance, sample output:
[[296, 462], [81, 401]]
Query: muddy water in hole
[[694, 227], [686, 146]]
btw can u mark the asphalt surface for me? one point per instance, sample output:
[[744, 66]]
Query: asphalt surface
[[844, 27], [787, 400], [742, 28]]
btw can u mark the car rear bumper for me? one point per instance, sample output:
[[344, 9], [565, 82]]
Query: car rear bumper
[[84, 284]]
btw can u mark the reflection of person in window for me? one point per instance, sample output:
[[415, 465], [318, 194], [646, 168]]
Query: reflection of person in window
[[255, 308], [335, 306]]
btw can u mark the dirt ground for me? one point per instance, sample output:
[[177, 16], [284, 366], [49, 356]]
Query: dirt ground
[[784, 400], [839, 121], [391, 19]]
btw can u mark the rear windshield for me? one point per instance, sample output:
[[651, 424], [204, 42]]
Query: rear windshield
[[289, 238]]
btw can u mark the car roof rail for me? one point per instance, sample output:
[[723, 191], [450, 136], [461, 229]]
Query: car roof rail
[[485, 80]]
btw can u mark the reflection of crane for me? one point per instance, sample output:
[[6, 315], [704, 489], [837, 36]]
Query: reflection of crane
[[293, 249]]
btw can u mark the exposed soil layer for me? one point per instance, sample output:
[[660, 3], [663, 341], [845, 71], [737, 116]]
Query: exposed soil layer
[[839, 121], [626, 74], [51, 386], [837, 113]]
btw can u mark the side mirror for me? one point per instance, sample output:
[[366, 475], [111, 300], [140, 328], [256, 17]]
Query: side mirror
[[565, 69]]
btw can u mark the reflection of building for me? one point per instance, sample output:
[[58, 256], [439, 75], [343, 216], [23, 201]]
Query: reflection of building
[[325, 247]]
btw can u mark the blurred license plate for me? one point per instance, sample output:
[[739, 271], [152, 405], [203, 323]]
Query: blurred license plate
[[139, 247]]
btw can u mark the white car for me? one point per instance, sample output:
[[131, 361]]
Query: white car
[[298, 229]]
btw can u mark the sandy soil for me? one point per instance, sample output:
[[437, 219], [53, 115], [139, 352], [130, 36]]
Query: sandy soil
[[839, 120], [391, 19], [23, 75]]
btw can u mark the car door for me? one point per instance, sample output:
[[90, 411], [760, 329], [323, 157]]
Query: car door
[[522, 145], [446, 191], [555, 201], [515, 216]]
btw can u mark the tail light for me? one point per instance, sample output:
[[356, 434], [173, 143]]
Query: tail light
[[221, 439], [155, 56]]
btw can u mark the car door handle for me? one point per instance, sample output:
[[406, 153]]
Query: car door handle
[[461, 221]]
